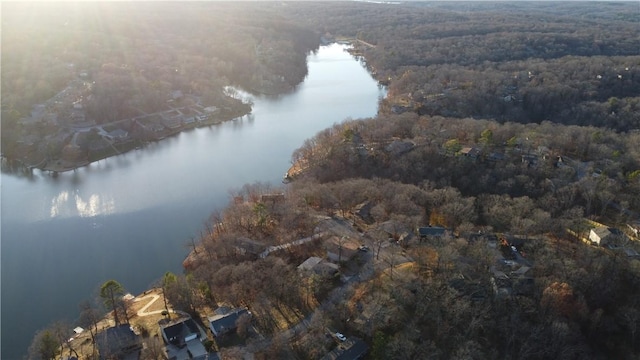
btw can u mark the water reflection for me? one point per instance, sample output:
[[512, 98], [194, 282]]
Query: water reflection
[[62, 205], [58, 202], [96, 205]]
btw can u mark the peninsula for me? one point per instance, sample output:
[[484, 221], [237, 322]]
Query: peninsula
[[87, 97]]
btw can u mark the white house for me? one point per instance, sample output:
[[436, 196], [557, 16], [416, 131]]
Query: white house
[[604, 236]]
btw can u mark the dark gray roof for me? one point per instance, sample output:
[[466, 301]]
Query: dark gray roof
[[602, 231], [117, 341], [221, 324], [176, 333], [352, 349], [399, 147], [431, 231], [470, 151]]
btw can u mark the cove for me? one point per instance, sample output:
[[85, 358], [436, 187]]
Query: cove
[[130, 217]]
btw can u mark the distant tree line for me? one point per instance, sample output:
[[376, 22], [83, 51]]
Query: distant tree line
[[521, 63]]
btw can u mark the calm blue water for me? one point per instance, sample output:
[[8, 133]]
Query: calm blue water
[[129, 217]]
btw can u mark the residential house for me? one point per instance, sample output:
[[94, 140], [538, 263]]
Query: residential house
[[502, 286], [180, 332], [397, 231], [629, 252], [606, 236], [431, 232], [221, 324], [521, 271], [337, 227], [351, 349], [151, 126], [189, 120], [309, 264], [182, 338], [495, 157], [341, 249], [118, 342], [172, 122], [529, 160], [399, 147], [363, 211], [248, 247], [118, 135], [155, 128], [471, 152], [399, 109], [517, 283], [318, 266]]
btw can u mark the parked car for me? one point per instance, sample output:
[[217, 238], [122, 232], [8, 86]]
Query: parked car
[[508, 262], [341, 337]]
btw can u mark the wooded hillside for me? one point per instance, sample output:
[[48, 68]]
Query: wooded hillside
[[457, 223], [571, 63]]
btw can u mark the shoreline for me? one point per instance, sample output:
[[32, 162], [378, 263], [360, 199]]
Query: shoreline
[[60, 165]]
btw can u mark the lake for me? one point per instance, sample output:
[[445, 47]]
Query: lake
[[129, 217]]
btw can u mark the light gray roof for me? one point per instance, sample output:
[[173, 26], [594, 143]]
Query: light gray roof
[[309, 263]]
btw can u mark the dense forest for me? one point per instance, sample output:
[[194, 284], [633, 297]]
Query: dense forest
[[142, 50], [577, 300], [520, 62], [513, 128], [132, 56]]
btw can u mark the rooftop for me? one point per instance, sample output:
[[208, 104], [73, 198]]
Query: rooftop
[[221, 324], [431, 231], [351, 349], [117, 341], [178, 333]]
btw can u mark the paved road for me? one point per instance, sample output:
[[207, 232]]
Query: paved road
[[271, 249]]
